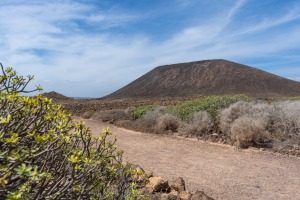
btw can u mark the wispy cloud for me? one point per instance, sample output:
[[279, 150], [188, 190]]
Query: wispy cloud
[[214, 40], [235, 9], [85, 49], [47, 40], [268, 23]]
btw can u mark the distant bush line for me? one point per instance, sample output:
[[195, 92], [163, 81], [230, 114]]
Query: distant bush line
[[238, 120]]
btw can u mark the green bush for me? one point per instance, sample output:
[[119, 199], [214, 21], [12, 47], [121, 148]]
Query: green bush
[[211, 104], [45, 155], [284, 99], [138, 112]]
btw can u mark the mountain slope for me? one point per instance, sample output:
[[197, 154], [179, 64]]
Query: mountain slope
[[208, 77], [55, 96]]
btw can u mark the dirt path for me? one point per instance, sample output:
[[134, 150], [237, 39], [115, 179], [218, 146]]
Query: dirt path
[[221, 171]]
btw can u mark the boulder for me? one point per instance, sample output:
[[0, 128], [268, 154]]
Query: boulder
[[159, 188], [169, 196], [157, 184], [155, 196], [178, 184], [174, 192], [184, 195], [199, 195]]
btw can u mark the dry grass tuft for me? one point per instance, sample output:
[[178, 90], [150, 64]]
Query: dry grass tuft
[[152, 116], [246, 123], [127, 124], [111, 116], [137, 125], [167, 123], [87, 114], [148, 123], [247, 130], [201, 123], [285, 117], [233, 112], [249, 123]]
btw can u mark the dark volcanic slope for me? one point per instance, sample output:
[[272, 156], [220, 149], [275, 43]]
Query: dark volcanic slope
[[55, 96], [208, 77]]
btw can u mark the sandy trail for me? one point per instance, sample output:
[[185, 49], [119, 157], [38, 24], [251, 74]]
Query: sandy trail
[[221, 171]]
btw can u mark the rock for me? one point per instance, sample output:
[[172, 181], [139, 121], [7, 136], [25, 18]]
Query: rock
[[169, 196], [146, 191], [156, 196], [199, 195], [184, 195], [159, 188], [157, 184], [174, 192], [178, 184]]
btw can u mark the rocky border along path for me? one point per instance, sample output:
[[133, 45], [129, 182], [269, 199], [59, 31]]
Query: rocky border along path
[[221, 171]]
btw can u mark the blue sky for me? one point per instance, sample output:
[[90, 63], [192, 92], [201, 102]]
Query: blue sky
[[90, 48]]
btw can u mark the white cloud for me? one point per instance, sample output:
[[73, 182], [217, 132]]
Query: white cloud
[[70, 53], [48, 40], [213, 40]]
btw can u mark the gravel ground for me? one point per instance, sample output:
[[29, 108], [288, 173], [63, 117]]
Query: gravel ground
[[221, 171]]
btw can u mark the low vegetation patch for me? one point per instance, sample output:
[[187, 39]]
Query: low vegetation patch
[[211, 104], [238, 120], [254, 123], [45, 155], [138, 112], [201, 124], [111, 116], [167, 123]]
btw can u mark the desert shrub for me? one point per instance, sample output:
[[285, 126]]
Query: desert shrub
[[87, 114], [145, 120], [128, 111], [111, 116], [247, 130], [145, 126], [202, 121], [212, 104], [233, 112], [266, 122], [140, 125], [152, 116], [147, 123], [200, 124], [246, 123], [167, 122], [285, 117], [45, 155], [128, 124], [139, 112], [240, 109]]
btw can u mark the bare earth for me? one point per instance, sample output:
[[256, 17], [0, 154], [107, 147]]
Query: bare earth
[[221, 171]]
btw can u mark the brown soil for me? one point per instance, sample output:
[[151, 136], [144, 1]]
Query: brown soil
[[208, 77], [221, 171]]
